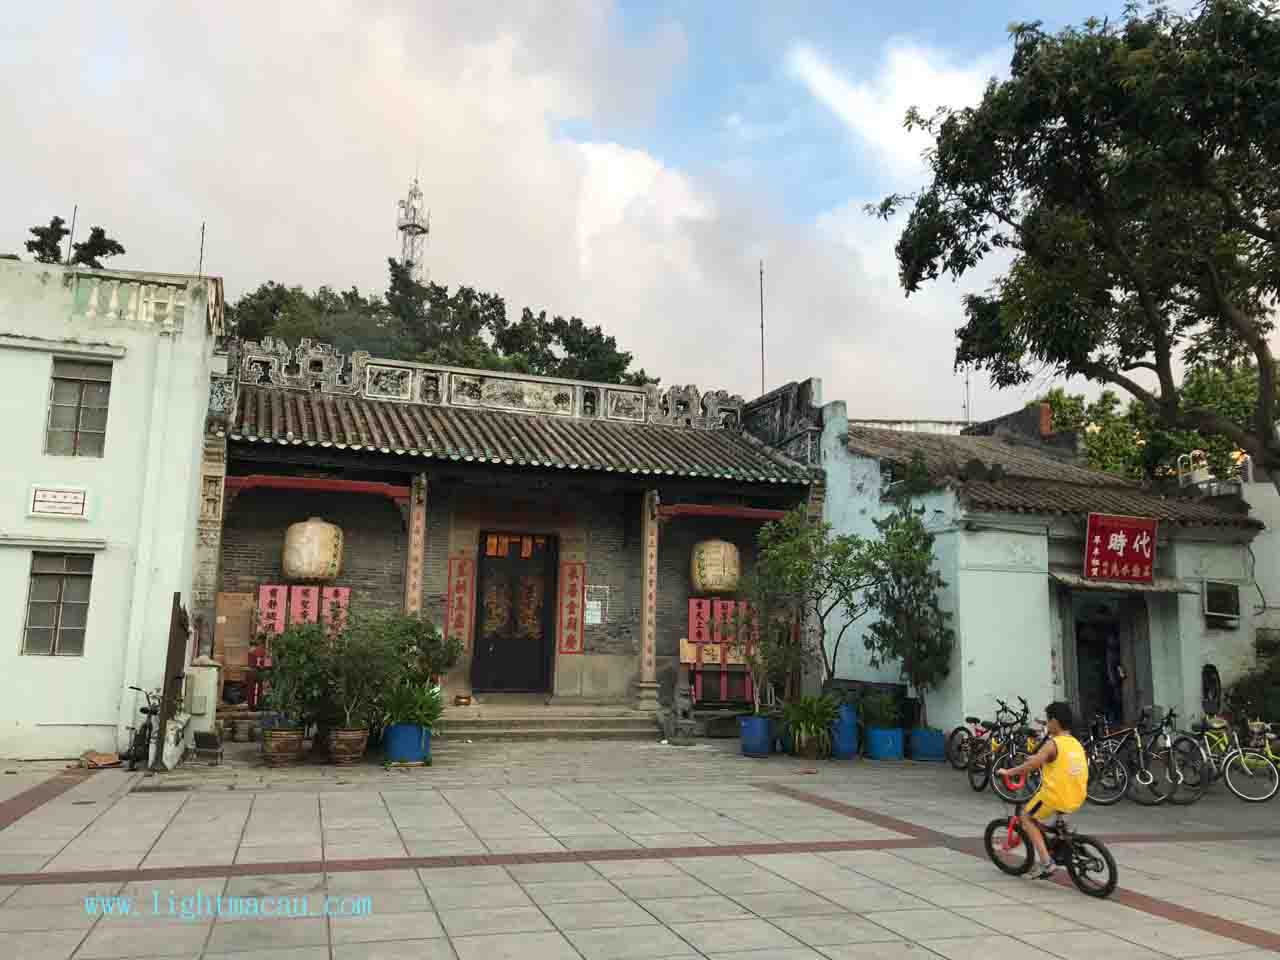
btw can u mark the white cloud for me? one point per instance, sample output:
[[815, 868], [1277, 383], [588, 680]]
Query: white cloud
[[292, 130], [874, 108]]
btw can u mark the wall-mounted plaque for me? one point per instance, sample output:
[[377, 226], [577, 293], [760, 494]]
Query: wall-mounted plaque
[[70, 503]]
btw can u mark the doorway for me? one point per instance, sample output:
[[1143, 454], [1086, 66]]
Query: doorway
[[515, 600], [1112, 658]]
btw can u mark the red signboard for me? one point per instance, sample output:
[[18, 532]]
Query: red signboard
[[573, 585], [333, 605], [1120, 548], [724, 615], [461, 599], [271, 607], [304, 604], [699, 621]]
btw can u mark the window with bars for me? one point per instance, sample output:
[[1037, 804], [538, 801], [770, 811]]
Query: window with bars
[[78, 408], [57, 604]]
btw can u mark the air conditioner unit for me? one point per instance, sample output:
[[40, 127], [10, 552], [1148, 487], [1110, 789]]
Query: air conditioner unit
[[1221, 600]]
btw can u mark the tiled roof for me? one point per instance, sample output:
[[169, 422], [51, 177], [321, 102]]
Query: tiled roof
[[1035, 481], [297, 417]]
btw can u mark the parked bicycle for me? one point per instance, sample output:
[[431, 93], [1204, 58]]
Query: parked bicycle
[[140, 748], [961, 741], [1212, 750], [1010, 727], [1139, 762]]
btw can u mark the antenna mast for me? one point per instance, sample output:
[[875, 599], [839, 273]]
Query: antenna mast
[[968, 408], [762, 328], [414, 225]]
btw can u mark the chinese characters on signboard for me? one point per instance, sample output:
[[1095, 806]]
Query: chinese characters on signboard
[[1120, 548], [573, 577], [333, 605], [462, 572], [700, 621], [271, 609], [304, 605]]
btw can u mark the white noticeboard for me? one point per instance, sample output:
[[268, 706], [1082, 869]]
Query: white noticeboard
[[597, 606], [69, 502]]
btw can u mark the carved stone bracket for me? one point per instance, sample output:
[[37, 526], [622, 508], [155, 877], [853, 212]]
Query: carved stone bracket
[[685, 406]]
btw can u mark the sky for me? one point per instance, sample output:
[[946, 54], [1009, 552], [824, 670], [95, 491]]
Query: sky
[[629, 163]]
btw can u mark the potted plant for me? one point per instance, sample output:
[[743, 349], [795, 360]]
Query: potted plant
[[912, 629], [412, 711], [774, 653], [811, 720], [884, 736], [361, 661], [293, 686]]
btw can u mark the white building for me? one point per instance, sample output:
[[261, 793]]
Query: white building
[[1009, 515], [106, 388]]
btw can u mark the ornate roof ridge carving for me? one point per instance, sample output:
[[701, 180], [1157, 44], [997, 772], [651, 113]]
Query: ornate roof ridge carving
[[319, 368]]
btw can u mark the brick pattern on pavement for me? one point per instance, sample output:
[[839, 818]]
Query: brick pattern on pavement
[[859, 860]]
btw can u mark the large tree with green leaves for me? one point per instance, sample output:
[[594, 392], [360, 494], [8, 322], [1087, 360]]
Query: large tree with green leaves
[[429, 323], [46, 241], [1131, 171]]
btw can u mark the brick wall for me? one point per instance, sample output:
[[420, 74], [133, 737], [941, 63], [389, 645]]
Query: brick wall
[[675, 557], [373, 542]]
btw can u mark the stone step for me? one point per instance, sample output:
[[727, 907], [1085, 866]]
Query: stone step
[[549, 720], [457, 735]]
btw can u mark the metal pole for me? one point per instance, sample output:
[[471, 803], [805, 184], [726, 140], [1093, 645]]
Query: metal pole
[[200, 265], [71, 236], [762, 328]]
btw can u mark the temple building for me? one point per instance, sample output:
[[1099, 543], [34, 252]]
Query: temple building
[[546, 524]]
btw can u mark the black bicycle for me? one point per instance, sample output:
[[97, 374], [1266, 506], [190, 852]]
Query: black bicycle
[[140, 749], [982, 753], [1089, 863]]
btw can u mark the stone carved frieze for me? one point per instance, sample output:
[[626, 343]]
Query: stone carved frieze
[[388, 383], [510, 393], [686, 406], [319, 368], [626, 405]]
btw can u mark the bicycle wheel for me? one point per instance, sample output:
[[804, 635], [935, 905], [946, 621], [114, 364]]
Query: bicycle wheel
[[1251, 776], [958, 747], [139, 750], [1189, 765], [1007, 793], [1091, 867], [979, 768], [1007, 845], [1108, 780]]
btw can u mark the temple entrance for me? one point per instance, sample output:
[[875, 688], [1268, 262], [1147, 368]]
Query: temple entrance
[[1111, 654], [515, 600]]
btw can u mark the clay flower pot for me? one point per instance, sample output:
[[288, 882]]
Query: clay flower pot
[[347, 744], [281, 745]]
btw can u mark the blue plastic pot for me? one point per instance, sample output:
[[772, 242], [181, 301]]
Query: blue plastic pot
[[757, 736], [884, 744], [928, 744], [406, 743], [844, 734]]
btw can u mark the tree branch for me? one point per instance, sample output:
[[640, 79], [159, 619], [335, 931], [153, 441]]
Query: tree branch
[[1264, 412]]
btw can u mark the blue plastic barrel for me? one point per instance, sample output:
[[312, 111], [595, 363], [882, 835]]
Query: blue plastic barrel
[[844, 734], [884, 744], [928, 744], [406, 743], [756, 735]]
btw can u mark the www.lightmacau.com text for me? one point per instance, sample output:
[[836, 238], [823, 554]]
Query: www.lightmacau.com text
[[200, 905]]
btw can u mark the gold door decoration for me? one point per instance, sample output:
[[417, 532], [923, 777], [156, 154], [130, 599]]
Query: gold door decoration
[[497, 608], [529, 614]]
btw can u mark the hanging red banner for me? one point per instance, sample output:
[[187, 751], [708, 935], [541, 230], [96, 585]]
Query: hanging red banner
[[699, 621], [304, 604], [271, 607], [724, 627], [1120, 548], [461, 602], [573, 585], [333, 605]]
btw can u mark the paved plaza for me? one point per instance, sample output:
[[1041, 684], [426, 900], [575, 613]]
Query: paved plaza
[[599, 851]]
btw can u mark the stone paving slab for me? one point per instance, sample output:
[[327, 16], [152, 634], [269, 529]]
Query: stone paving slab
[[712, 899]]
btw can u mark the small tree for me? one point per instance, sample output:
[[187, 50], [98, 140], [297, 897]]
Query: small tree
[[47, 242], [90, 252], [912, 629], [804, 573]]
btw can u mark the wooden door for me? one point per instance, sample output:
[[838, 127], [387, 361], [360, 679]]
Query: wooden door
[[515, 601]]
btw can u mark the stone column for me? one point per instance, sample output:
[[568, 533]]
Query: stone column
[[208, 558], [648, 687], [416, 554]]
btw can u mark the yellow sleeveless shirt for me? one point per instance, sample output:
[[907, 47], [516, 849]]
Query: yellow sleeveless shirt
[[1066, 777]]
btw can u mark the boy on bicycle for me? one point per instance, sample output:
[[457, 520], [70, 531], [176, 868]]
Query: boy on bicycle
[[1064, 782]]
